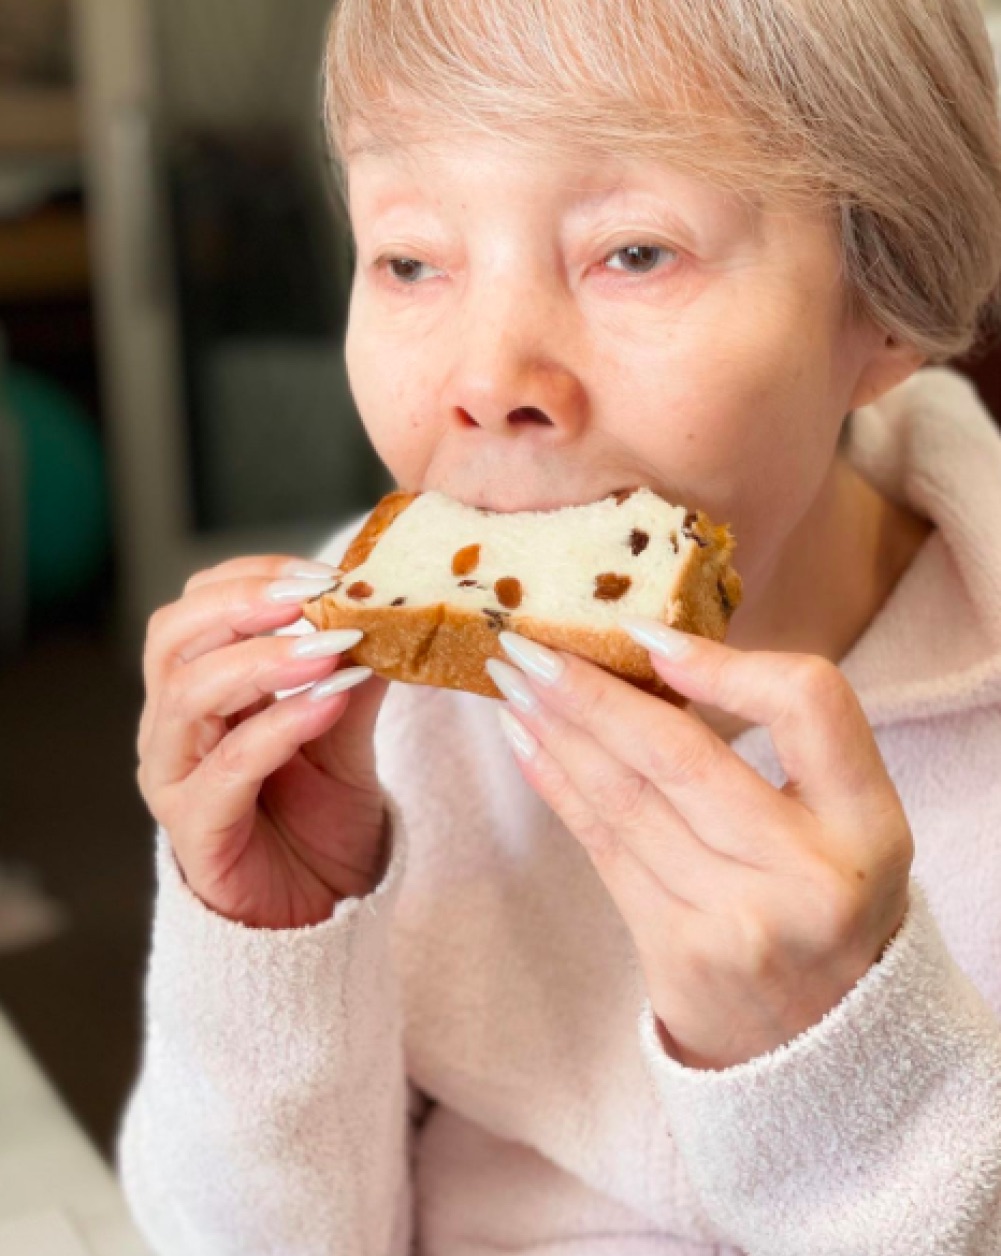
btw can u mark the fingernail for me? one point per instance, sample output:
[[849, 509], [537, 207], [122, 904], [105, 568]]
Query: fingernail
[[307, 569], [545, 665], [321, 645], [512, 685], [658, 638], [522, 741], [346, 679], [298, 590]]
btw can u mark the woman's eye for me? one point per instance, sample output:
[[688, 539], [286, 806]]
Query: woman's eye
[[640, 259], [405, 269]]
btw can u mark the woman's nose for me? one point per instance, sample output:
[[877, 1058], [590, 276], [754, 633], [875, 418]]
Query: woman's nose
[[509, 377]]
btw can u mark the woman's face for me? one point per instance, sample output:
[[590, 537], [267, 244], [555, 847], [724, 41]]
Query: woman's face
[[529, 330]]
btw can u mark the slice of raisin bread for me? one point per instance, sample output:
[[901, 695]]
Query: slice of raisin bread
[[431, 582]]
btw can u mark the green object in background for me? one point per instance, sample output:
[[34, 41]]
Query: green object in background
[[65, 488]]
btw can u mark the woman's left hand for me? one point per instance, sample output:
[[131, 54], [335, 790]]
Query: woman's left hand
[[754, 910]]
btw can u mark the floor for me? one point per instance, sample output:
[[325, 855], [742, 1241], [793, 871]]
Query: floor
[[70, 809]]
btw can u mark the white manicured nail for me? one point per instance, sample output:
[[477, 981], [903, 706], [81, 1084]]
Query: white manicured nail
[[545, 665], [512, 685], [522, 741], [669, 643], [321, 645], [299, 590], [306, 569], [346, 679]]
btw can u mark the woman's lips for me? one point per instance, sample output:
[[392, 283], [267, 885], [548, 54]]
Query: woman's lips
[[542, 505]]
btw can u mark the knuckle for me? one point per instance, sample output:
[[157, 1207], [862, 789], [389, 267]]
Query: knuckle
[[196, 580], [820, 685], [154, 629], [168, 809], [207, 575], [758, 944], [153, 797], [263, 661], [231, 758], [623, 797], [699, 953], [559, 797], [588, 701], [598, 839], [837, 919], [155, 623], [835, 911], [157, 631], [898, 856], [689, 762], [176, 698]]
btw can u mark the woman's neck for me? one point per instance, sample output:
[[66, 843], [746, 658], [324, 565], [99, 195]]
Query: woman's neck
[[832, 575]]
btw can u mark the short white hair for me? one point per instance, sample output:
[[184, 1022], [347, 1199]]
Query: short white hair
[[882, 112]]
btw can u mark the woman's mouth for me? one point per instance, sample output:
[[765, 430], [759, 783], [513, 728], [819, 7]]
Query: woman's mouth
[[541, 504]]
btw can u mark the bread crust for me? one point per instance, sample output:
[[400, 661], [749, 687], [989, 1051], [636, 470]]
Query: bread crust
[[384, 513], [447, 646]]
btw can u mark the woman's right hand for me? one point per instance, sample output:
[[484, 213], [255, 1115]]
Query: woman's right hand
[[273, 808]]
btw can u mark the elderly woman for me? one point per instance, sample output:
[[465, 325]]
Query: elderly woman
[[706, 980]]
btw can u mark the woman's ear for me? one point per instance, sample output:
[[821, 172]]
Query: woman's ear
[[891, 362]]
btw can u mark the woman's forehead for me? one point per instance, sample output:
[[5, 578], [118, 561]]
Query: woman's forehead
[[586, 180], [580, 134]]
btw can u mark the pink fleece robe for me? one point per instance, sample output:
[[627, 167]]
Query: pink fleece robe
[[465, 1062]]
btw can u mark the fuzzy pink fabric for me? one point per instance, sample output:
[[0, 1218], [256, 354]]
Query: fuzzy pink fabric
[[464, 1062]]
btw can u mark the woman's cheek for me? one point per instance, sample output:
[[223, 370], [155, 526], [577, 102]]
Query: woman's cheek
[[749, 411], [390, 389]]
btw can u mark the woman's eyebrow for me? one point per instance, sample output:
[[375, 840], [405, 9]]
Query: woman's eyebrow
[[393, 200], [393, 182], [586, 209], [711, 224], [614, 200]]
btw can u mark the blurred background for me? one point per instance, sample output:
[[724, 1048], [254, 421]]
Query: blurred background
[[173, 286]]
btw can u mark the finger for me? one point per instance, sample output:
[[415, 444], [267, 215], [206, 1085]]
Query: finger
[[251, 710], [628, 804], [218, 613], [262, 566], [820, 733], [211, 617], [227, 782], [730, 807], [346, 751], [197, 699], [637, 891]]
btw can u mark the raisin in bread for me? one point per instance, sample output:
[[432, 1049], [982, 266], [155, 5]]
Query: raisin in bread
[[431, 582]]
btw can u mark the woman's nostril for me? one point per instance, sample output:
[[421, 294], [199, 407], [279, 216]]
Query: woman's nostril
[[528, 414]]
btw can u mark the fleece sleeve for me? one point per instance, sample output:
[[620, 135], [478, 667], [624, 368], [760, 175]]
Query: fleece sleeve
[[270, 1116], [876, 1132]]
